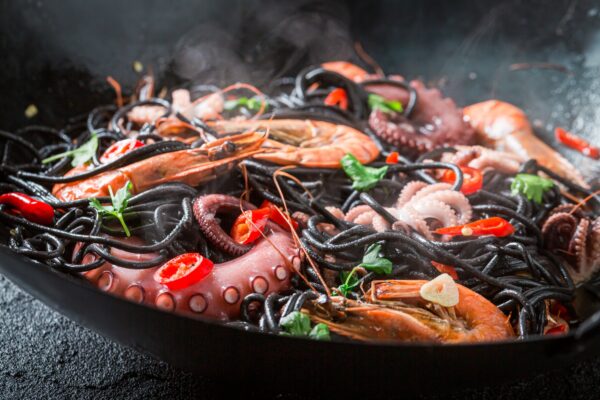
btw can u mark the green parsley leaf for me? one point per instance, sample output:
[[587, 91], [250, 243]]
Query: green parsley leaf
[[119, 204], [80, 155], [373, 262], [296, 324], [387, 106], [252, 104], [532, 186], [363, 178], [122, 196], [320, 332], [349, 282]]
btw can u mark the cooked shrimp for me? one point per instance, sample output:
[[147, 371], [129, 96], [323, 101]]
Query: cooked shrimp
[[395, 311], [505, 127], [306, 142], [191, 166]]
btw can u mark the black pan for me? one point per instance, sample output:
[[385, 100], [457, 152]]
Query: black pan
[[543, 57]]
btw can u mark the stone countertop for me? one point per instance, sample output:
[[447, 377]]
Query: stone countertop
[[44, 355]]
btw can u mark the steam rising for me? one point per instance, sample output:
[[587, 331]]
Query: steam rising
[[273, 42]]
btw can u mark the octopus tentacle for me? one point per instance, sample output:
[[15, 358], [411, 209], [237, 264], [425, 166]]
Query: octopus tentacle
[[356, 212], [558, 230], [578, 245], [430, 189], [366, 218], [265, 269], [431, 208], [594, 240], [205, 210], [415, 220], [567, 208], [455, 200], [435, 121], [409, 191]]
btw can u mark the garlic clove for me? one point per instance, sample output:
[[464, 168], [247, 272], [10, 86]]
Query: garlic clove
[[442, 290]]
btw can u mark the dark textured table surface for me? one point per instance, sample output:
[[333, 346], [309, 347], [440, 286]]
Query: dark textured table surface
[[43, 355]]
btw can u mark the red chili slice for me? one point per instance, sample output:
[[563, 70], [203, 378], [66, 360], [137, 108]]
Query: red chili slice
[[183, 271], [472, 179], [278, 216], [337, 97], [29, 208], [557, 330], [249, 225], [118, 149], [577, 143], [490, 226], [392, 158], [445, 269]]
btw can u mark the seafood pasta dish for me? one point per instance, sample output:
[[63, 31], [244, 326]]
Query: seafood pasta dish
[[337, 204]]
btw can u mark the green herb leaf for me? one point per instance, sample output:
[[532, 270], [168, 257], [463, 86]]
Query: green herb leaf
[[387, 106], [252, 104], [349, 281], [119, 204], [80, 155], [296, 324], [373, 262], [532, 186], [320, 332], [120, 199], [363, 178]]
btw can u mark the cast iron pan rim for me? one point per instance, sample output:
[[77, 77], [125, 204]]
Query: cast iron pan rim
[[571, 336]]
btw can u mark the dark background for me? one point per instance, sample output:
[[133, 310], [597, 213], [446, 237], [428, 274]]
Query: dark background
[[56, 55]]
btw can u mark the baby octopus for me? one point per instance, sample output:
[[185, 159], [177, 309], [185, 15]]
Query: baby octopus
[[435, 121], [421, 206], [576, 237]]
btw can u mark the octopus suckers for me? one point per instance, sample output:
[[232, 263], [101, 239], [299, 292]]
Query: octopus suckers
[[105, 281], [260, 285], [198, 303], [165, 301], [135, 293], [280, 273], [296, 263], [231, 295]]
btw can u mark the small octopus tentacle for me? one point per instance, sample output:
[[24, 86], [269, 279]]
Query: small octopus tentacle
[[558, 230], [430, 189], [578, 246], [409, 191], [432, 208], [567, 208], [356, 212], [379, 223], [415, 220], [205, 210], [594, 241], [455, 200], [365, 218]]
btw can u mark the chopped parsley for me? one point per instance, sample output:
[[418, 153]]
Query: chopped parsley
[[532, 186], [363, 177]]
